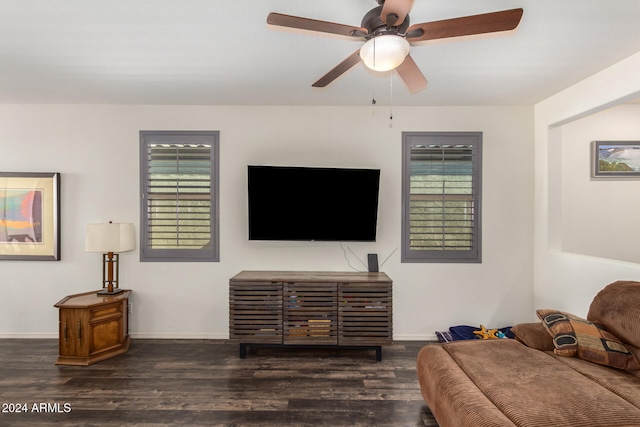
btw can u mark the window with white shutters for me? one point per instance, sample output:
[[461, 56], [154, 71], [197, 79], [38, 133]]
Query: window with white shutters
[[441, 197], [179, 181]]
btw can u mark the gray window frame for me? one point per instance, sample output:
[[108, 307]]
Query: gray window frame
[[473, 139], [205, 254]]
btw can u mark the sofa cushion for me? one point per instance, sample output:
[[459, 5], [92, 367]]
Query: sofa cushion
[[530, 387], [617, 308], [449, 393], [615, 380], [574, 336], [533, 335]]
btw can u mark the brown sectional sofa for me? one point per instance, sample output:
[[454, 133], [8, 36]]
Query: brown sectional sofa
[[526, 382]]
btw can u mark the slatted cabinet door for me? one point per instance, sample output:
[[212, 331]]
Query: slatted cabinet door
[[365, 315], [255, 312], [310, 313]]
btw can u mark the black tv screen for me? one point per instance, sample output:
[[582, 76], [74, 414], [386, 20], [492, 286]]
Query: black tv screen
[[308, 203]]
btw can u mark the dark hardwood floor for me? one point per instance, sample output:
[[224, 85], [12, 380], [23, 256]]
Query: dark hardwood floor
[[204, 383]]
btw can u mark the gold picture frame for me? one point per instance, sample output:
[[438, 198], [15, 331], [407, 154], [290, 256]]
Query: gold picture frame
[[30, 216]]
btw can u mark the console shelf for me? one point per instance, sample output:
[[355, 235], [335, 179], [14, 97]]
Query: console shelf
[[310, 308]]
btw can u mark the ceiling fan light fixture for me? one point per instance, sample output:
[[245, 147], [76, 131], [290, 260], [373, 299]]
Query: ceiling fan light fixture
[[385, 52]]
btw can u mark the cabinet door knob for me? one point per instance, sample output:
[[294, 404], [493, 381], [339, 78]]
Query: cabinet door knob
[[66, 330], [79, 330]]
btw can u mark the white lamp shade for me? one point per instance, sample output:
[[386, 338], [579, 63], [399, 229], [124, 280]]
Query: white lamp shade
[[110, 237], [384, 53]]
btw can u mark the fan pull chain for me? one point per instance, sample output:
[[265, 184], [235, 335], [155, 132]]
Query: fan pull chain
[[373, 98], [373, 95], [391, 100], [374, 53]]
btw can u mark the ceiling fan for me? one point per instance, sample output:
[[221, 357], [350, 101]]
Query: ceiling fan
[[388, 34]]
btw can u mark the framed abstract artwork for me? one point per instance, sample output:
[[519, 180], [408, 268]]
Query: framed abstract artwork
[[30, 216], [616, 159]]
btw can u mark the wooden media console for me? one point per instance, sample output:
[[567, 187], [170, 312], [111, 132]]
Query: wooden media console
[[310, 308]]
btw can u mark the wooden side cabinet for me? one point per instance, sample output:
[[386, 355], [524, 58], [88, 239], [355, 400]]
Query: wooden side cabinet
[[310, 308], [92, 327]]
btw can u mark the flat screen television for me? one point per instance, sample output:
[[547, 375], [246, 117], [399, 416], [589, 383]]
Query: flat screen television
[[313, 204]]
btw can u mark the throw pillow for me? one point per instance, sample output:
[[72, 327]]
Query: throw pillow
[[533, 335], [575, 336]]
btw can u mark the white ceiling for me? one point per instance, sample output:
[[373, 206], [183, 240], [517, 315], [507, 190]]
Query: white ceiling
[[222, 52]]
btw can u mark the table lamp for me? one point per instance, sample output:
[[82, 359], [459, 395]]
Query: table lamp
[[110, 239]]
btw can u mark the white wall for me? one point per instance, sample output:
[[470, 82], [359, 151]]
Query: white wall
[[599, 215], [96, 150], [566, 280]]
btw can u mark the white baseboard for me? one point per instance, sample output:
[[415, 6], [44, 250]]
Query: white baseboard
[[225, 336], [23, 335], [179, 336], [412, 337], [184, 336]]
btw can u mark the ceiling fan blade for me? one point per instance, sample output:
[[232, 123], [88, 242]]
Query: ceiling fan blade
[[465, 26], [314, 25], [394, 11], [338, 70], [411, 75]]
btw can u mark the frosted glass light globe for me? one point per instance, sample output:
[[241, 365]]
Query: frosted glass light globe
[[384, 53]]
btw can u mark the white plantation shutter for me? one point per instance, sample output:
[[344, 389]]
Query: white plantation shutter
[[179, 196], [441, 196]]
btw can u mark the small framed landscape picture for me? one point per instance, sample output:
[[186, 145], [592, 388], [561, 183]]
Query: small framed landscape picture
[[616, 159], [30, 216]]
